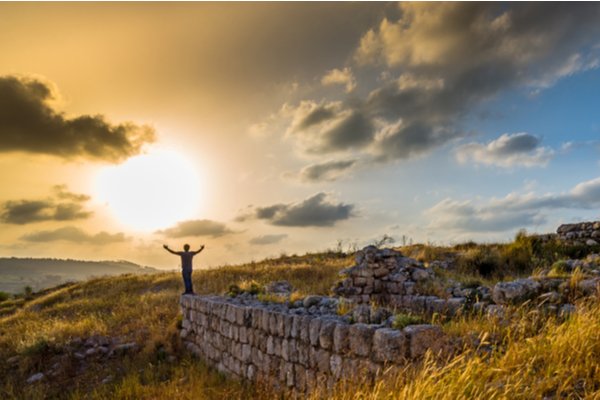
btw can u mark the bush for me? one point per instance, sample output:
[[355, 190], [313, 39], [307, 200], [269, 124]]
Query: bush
[[4, 296], [517, 257], [559, 269], [482, 260], [401, 320]]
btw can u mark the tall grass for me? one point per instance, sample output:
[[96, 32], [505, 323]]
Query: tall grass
[[524, 355], [140, 308]]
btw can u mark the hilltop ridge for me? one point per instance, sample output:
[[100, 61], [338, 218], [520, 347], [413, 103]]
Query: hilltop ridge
[[40, 273]]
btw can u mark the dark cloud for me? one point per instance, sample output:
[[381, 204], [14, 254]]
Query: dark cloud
[[30, 124], [63, 206], [316, 210], [329, 127], [512, 211], [267, 239], [200, 227], [442, 62], [76, 235], [326, 171], [509, 150]]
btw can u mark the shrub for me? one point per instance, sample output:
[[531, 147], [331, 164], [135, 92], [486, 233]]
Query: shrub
[[4, 296], [482, 260], [402, 320], [559, 269]]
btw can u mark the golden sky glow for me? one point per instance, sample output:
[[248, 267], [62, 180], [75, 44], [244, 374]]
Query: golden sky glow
[[294, 125]]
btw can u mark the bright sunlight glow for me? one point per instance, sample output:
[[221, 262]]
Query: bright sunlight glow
[[151, 191]]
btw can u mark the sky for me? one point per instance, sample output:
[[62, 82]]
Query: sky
[[258, 129]]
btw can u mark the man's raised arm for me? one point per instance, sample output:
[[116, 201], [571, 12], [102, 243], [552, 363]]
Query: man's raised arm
[[199, 250], [169, 250]]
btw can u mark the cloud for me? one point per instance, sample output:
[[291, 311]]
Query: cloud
[[76, 235], [316, 210], [511, 211], [509, 150], [199, 227], [340, 77], [325, 171], [329, 127], [440, 63], [29, 123], [63, 206], [267, 239]]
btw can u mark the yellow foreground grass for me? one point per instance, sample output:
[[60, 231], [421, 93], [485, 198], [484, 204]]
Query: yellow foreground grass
[[527, 357]]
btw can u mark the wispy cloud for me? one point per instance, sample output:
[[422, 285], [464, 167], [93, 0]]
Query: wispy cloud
[[75, 235], [507, 151], [199, 227]]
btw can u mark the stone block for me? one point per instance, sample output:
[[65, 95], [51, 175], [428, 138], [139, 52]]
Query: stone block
[[280, 325], [326, 334], [335, 365], [360, 281], [314, 330], [303, 353], [360, 339], [389, 345], [242, 334], [287, 325], [421, 338], [300, 377], [272, 324], [264, 324], [246, 353], [305, 328]]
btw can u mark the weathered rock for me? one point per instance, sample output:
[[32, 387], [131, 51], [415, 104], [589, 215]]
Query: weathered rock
[[35, 378], [389, 345], [515, 291], [310, 301], [422, 338], [589, 286], [360, 339], [280, 288]]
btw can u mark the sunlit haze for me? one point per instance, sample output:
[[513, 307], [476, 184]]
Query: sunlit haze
[[151, 191], [258, 129]]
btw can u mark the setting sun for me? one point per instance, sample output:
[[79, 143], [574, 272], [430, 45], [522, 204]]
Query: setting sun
[[151, 191]]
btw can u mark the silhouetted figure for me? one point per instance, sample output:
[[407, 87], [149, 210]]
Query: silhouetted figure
[[186, 265]]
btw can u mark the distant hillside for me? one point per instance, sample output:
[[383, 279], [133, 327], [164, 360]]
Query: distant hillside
[[42, 273]]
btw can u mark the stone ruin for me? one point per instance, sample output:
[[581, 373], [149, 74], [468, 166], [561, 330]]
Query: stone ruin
[[583, 233], [296, 349], [308, 344], [386, 277]]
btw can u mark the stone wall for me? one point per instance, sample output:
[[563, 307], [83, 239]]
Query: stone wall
[[292, 349], [385, 276], [583, 233]]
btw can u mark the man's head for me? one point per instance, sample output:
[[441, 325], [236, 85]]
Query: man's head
[[186, 247]]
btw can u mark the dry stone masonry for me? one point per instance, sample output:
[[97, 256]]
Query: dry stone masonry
[[319, 341], [292, 348], [583, 233], [387, 277]]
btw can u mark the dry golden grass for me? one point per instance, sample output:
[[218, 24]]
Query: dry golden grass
[[525, 356], [140, 308]]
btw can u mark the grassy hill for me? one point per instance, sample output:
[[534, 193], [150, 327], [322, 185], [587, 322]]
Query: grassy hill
[[523, 356], [42, 273]]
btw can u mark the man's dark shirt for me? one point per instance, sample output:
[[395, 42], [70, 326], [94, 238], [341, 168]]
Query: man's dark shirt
[[186, 259]]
